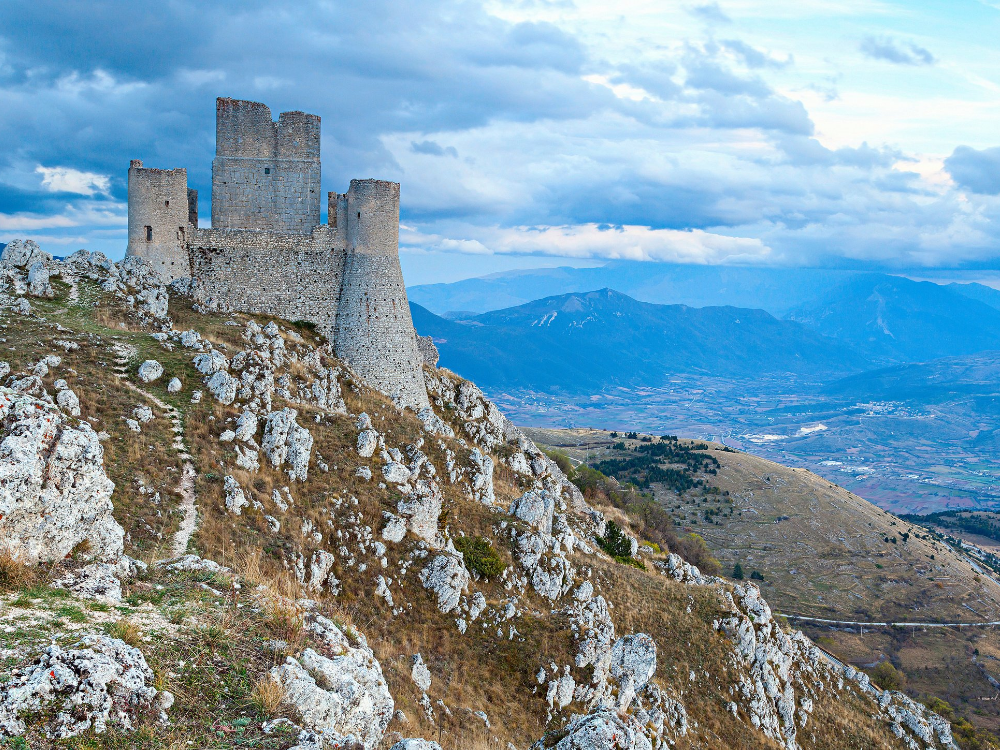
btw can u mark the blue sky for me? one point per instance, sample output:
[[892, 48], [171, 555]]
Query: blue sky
[[792, 132]]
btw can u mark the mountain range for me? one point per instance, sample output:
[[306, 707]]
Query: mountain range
[[586, 341], [777, 290]]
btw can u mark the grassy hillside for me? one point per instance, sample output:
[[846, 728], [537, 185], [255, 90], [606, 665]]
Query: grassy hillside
[[823, 552], [212, 638]]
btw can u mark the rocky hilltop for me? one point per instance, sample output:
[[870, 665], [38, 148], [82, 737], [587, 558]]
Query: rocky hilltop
[[214, 534]]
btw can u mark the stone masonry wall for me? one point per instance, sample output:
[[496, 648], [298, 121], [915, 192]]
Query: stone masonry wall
[[158, 214], [266, 174], [293, 276]]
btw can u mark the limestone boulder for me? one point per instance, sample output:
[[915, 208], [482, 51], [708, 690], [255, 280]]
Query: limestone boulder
[[236, 500], [421, 508], [416, 744], [603, 729], [100, 683], [211, 362], [54, 492], [23, 254], [223, 386], [535, 507], [341, 694], [285, 441], [69, 402], [447, 578], [150, 370], [633, 662]]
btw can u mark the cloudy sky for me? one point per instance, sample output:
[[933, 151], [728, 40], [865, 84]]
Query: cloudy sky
[[802, 132]]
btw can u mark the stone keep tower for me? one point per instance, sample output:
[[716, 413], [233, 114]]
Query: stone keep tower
[[160, 210], [374, 328], [266, 174]]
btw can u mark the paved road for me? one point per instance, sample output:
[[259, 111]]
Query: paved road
[[993, 623]]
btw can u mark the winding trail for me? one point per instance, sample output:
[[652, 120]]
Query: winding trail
[[185, 488]]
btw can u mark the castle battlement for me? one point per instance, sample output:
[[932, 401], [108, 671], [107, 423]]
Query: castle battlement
[[267, 251]]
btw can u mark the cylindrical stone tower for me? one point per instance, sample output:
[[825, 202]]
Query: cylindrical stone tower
[[158, 215], [374, 333]]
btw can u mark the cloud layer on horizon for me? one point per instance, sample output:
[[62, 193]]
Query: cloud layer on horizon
[[514, 127]]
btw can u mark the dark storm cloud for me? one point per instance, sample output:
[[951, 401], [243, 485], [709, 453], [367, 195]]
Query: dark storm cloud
[[978, 171]]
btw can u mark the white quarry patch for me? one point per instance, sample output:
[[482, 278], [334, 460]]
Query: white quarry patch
[[286, 441], [341, 697], [54, 493], [447, 578], [97, 684], [150, 370]]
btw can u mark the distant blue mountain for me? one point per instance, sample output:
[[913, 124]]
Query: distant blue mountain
[[893, 319], [583, 342], [777, 290], [985, 294]]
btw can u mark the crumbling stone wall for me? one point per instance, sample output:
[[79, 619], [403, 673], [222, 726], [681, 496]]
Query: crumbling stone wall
[[266, 174]]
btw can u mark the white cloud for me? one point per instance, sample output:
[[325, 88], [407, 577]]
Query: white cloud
[[598, 241], [69, 180]]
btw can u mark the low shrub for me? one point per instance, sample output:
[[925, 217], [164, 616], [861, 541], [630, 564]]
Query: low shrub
[[480, 556]]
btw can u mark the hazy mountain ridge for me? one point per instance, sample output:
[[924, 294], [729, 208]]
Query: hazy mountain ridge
[[777, 290], [592, 340], [892, 319]]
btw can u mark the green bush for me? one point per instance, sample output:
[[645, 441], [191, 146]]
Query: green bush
[[738, 572], [480, 556], [887, 677], [615, 542]]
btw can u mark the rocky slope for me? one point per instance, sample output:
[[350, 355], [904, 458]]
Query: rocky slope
[[292, 561]]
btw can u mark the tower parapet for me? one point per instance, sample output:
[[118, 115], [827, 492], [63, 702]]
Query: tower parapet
[[158, 218]]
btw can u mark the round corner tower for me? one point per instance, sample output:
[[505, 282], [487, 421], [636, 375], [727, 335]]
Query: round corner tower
[[158, 219], [374, 332]]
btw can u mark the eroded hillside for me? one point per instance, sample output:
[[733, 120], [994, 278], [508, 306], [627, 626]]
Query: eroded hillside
[[300, 563]]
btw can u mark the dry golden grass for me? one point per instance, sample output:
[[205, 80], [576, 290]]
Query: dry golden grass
[[267, 696], [125, 630], [15, 574]]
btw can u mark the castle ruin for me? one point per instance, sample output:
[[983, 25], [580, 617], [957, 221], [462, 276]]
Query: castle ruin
[[267, 252]]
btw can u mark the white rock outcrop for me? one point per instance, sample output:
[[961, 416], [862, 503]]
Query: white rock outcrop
[[603, 729], [54, 492], [236, 500], [343, 697], [286, 441], [447, 578], [97, 684]]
